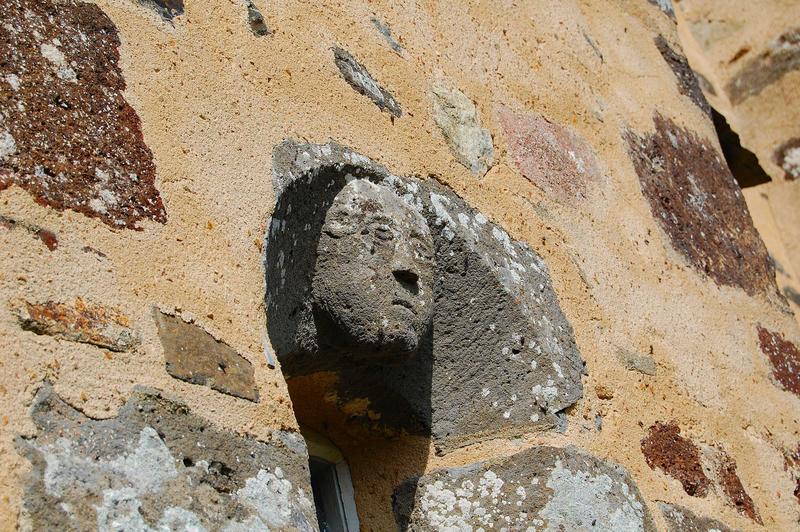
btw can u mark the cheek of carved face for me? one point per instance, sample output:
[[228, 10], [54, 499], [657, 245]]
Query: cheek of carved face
[[373, 280]]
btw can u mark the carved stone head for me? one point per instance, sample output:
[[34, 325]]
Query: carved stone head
[[372, 288]]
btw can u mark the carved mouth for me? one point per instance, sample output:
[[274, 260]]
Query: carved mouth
[[403, 303]]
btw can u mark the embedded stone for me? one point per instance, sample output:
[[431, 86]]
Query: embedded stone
[[784, 357], [255, 20], [81, 322], [194, 356], [167, 9], [457, 118], [688, 84], [492, 301], [550, 155], [697, 203], [545, 488], [664, 448], [68, 137], [636, 362], [781, 57], [157, 466], [733, 489], [362, 81], [680, 519], [665, 6], [787, 156], [386, 31]]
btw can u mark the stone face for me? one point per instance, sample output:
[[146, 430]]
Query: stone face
[[687, 80], [373, 279], [680, 519], [157, 466], [168, 9], [362, 81], [543, 487], [551, 156], [457, 117], [696, 201], [664, 448], [67, 135], [733, 489], [787, 156], [501, 356], [82, 322], [781, 56], [784, 357], [193, 355]]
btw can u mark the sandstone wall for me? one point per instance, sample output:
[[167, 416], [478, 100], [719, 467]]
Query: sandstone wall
[[140, 168]]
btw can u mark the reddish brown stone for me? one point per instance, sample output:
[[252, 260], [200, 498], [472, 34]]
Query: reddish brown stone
[[551, 156], [678, 457], [791, 463], [687, 80], [732, 486], [784, 357], [49, 238], [85, 323], [68, 136], [698, 204]]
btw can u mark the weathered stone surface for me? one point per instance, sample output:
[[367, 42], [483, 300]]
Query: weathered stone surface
[[781, 57], [457, 117], [698, 204], [493, 302], [636, 362], [784, 357], [255, 20], [158, 466], [733, 488], [362, 81], [193, 355], [386, 31], [542, 488], [787, 156], [168, 9], [664, 448], [80, 322], [687, 80], [680, 519], [67, 135], [551, 156]]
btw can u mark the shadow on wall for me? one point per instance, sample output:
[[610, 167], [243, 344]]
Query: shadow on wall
[[402, 317]]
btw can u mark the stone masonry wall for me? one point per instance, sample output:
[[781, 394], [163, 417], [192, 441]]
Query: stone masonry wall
[[615, 347]]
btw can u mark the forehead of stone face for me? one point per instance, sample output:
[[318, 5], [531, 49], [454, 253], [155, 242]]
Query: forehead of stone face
[[362, 202]]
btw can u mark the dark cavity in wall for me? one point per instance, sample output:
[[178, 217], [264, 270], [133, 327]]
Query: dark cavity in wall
[[664, 448], [69, 138], [696, 201], [742, 162]]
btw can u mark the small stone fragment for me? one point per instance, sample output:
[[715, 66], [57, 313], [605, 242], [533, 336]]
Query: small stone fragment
[[664, 448], [787, 156], [696, 201], [545, 488], [551, 156], [680, 519], [604, 392], [168, 9], [781, 57], [733, 489], [193, 355], [457, 117], [362, 81], [386, 31], [82, 322], [49, 238], [784, 357], [256, 20], [665, 6], [636, 362], [687, 80]]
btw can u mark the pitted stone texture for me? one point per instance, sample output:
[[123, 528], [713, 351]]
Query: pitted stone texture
[[193, 355], [493, 303], [781, 57], [81, 322], [550, 155], [664, 448], [787, 156], [784, 357], [696, 201], [167, 9], [67, 135], [374, 275], [680, 519], [157, 466], [362, 81], [687, 80], [542, 488], [457, 117]]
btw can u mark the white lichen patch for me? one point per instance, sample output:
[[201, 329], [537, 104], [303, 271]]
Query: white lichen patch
[[8, 145], [62, 69], [791, 162], [270, 495], [13, 80]]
